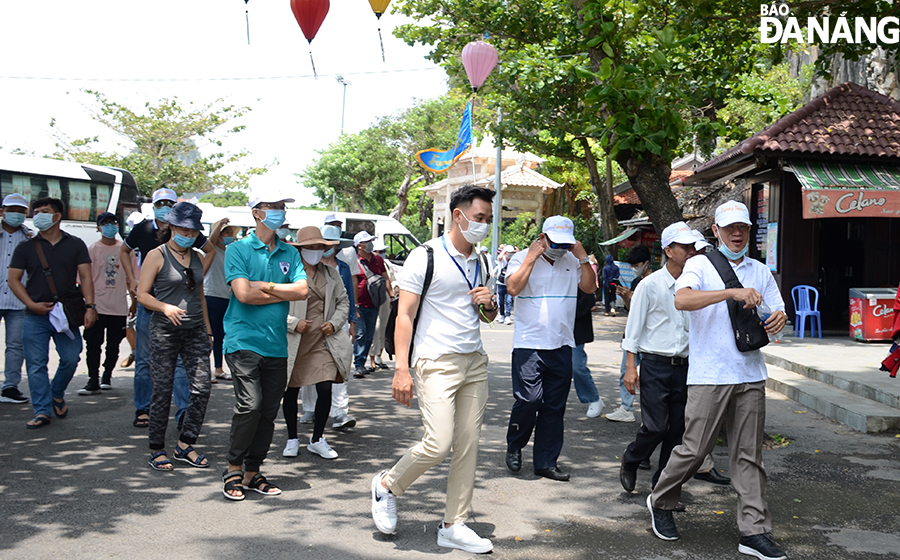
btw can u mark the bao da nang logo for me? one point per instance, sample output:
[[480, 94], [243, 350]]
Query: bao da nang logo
[[777, 25]]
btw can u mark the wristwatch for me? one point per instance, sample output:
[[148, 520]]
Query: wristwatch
[[90, 306], [271, 286], [585, 260]]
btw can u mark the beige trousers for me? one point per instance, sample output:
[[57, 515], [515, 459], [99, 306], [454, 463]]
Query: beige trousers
[[452, 392], [743, 409]]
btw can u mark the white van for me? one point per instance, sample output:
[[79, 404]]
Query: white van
[[397, 239]]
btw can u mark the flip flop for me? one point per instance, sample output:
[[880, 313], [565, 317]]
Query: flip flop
[[41, 422], [60, 405]]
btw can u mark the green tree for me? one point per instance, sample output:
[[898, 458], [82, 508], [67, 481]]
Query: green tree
[[163, 142], [226, 198]]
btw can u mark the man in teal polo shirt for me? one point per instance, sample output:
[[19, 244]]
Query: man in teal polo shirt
[[265, 274]]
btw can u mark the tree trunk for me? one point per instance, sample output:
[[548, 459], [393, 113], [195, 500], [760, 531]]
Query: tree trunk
[[426, 208], [609, 225], [649, 177], [403, 194]]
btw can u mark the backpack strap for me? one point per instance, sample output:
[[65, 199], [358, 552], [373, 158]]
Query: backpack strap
[[724, 269], [429, 274]]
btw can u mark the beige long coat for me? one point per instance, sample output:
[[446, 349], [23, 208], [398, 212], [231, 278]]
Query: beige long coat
[[337, 310]]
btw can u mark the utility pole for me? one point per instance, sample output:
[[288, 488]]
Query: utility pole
[[345, 83]]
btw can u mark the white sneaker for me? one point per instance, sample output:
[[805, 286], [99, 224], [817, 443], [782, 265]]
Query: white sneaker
[[322, 449], [308, 417], [292, 449], [384, 506], [594, 409], [620, 415], [343, 421], [508, 321], [461, 537]]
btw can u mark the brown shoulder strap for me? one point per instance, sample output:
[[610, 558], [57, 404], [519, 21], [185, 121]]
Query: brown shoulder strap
[[47, 273]]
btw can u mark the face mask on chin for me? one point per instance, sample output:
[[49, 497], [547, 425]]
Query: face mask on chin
[[475, 232], [729, 254]]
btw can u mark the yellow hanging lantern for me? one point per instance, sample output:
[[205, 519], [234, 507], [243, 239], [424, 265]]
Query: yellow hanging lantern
[[379, 6]]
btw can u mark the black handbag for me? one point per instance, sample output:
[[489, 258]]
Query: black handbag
[[749, 333], [72, 301]]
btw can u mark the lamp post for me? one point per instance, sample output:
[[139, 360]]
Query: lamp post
[[345, 83]]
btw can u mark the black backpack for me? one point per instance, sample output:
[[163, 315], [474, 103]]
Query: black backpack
[[392, 318]]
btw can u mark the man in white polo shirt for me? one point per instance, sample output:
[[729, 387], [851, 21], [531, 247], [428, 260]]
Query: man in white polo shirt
[[724, 385], [450, 366], [544, 280]]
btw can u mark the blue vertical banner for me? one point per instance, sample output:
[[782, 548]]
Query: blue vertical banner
[[439, 161]]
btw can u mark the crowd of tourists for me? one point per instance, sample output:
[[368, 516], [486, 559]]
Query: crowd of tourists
[[293, 320]]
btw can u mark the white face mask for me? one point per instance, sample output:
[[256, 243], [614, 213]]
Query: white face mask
[[312, 257], [475, 232], [639, 270]]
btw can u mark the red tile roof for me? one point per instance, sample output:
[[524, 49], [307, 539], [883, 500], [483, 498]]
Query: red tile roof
[[847, 120]]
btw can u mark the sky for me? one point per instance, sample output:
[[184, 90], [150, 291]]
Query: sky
[[197, 51]]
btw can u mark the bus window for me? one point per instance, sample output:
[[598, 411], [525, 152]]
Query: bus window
[[398, 246]]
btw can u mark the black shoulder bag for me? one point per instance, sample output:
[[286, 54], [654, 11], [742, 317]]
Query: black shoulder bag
[[390, 328], [72, 301], [749, 333]]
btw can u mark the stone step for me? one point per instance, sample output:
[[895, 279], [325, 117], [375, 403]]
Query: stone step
[[855, 373], [855, 411]]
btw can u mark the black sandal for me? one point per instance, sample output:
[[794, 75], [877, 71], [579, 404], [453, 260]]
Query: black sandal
[[259, 481], [141, 422], [228, 477]]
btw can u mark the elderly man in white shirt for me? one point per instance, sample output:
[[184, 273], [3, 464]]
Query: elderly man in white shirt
[[449, 365], [545, 281], [659, 333], [724, 385]]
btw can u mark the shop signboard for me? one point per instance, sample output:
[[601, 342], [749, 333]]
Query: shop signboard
[[851, 203]]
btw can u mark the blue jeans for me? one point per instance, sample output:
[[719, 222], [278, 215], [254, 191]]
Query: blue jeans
[[502, 294], [38, 331], [365, 332], [143, 384], [627, 398], [581, 375], [14, 353]]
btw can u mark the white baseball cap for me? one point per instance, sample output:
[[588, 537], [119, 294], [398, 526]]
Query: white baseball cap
[[15, 199], [701, 242], [164, 194], [134, 218], [379, 246], [560, 230], [267, 196], [732, 212], [679, 232], [331, 218], [362, 237]]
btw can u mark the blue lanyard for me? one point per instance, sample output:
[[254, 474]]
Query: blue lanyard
[[461, 271]]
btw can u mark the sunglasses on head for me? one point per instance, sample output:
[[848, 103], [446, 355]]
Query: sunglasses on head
[[190, 281]]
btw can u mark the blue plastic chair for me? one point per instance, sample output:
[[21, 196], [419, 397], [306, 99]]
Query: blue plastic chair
[[806, 304]]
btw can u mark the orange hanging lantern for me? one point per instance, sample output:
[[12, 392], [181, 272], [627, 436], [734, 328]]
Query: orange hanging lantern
[[379, 7]]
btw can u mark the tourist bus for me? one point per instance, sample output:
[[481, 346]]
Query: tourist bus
[[86, 191]]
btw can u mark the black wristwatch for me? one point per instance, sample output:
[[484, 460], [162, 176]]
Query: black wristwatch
[[90, 306]]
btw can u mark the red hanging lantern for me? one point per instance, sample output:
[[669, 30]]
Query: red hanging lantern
[[309, 15], [479, 58]]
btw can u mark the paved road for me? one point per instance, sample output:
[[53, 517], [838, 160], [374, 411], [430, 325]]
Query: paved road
[[81, 488]]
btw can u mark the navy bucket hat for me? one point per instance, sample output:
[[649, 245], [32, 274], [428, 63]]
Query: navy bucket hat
[[186, 215]]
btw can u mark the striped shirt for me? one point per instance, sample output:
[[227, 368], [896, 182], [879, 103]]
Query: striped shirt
[[8, 243], [545, 308]]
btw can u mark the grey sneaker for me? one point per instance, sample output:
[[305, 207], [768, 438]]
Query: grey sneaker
[[12, 395], [343, 422], [620, 415]]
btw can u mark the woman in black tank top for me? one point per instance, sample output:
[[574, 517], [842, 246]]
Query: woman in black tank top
[[171, 287]]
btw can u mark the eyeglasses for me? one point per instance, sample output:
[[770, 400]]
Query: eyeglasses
[[161, 203], [559, 245], [191, 282], [264, 206]]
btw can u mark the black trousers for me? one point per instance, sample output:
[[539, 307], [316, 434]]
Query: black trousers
[[113, 326], [663, 398], [541, 380], [258, 388]]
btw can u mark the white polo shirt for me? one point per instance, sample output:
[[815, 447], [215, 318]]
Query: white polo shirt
[[715, 359], [545, 308], [448, 322], [654, 325]]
